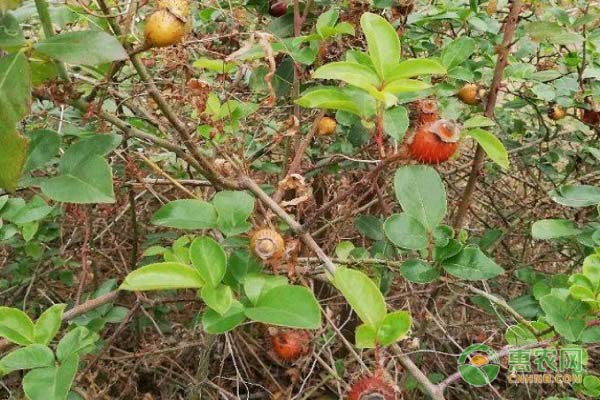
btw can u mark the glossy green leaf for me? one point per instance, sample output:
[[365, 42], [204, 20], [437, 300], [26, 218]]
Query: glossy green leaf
[[457, 52], [355, 74], [217, 298], [29, 357], [472, 264], [209, 259], [399, 86], [288, 305], [51, 383], [362, 294], [421, 193], [382, 42], [478, 121], [83, 47], [257, 283], [162, 276], [325, 20], [332, 98], [219, 66], [419, 271], [396, 122], [77, 342], [214, 323], [394, 327], [417, 67], [16, 326], [48, 324], [186, 214], [553, 229], [233, 209], [492, 146], [405, 231], [365, 336]]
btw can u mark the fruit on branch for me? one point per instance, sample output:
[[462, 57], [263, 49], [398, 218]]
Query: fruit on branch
[[424, 112], [289, 344], [267, 244], [471, 94], [590, 117], [179, 8], [556, 112], [326, 126], [164, 29], [277, 8], [435, 142], [372, 388], [492, 7]]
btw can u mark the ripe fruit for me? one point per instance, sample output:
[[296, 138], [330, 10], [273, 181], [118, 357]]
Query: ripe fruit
[[434, 143], [326, 126], [164, 29], [471, 94], [267, 244], [289, 345], [179, 8], [591, 117], [277, 8], [372, 387], [555, 112]]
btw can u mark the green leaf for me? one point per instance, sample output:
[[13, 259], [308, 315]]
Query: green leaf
[[288, 305], [553, 229], [233, 209], [478, 121], [421, 193], [15, 92], [394, 327], [78, 154], [186, 214], [48, 324], [326, 20], [395, 122], [419, 271], [591, 386], [472, 264], [329, 98], [369, 226], [13, 151], [51, 383], [358, 75], [83, 47], [567, 316], [209, 259], [256, 284], [16, 326], [35, 210], [576, 195], [405, 231], [492, 146], [551, 32], [217, 298], [77, 342], [162, 276], [90, 183], [29, 357], [400, 86], [365, 336], [43, 146], [382, 42], [214, 323], [11, 35], [219, 66], [457, 52], [362, 294], [416, 67]]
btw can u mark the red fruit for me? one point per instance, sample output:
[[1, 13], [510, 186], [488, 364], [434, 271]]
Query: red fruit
[[289, 345], [371, 387], [277, 8], [434, 143], [591, 117]]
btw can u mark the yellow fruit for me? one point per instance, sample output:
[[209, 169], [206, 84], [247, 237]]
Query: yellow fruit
[[478, 360], [164, 29], [471, 94], [267, 244], [492, 7], [179, 8], [326, 126], [555, 112]]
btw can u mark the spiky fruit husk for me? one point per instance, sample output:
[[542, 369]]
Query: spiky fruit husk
[[267, 244], [556, 113], [326, 126], [371, 387], [277, 8], [289, 345], [469, 94], [164, 29], [433, 143], [179, 8]]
